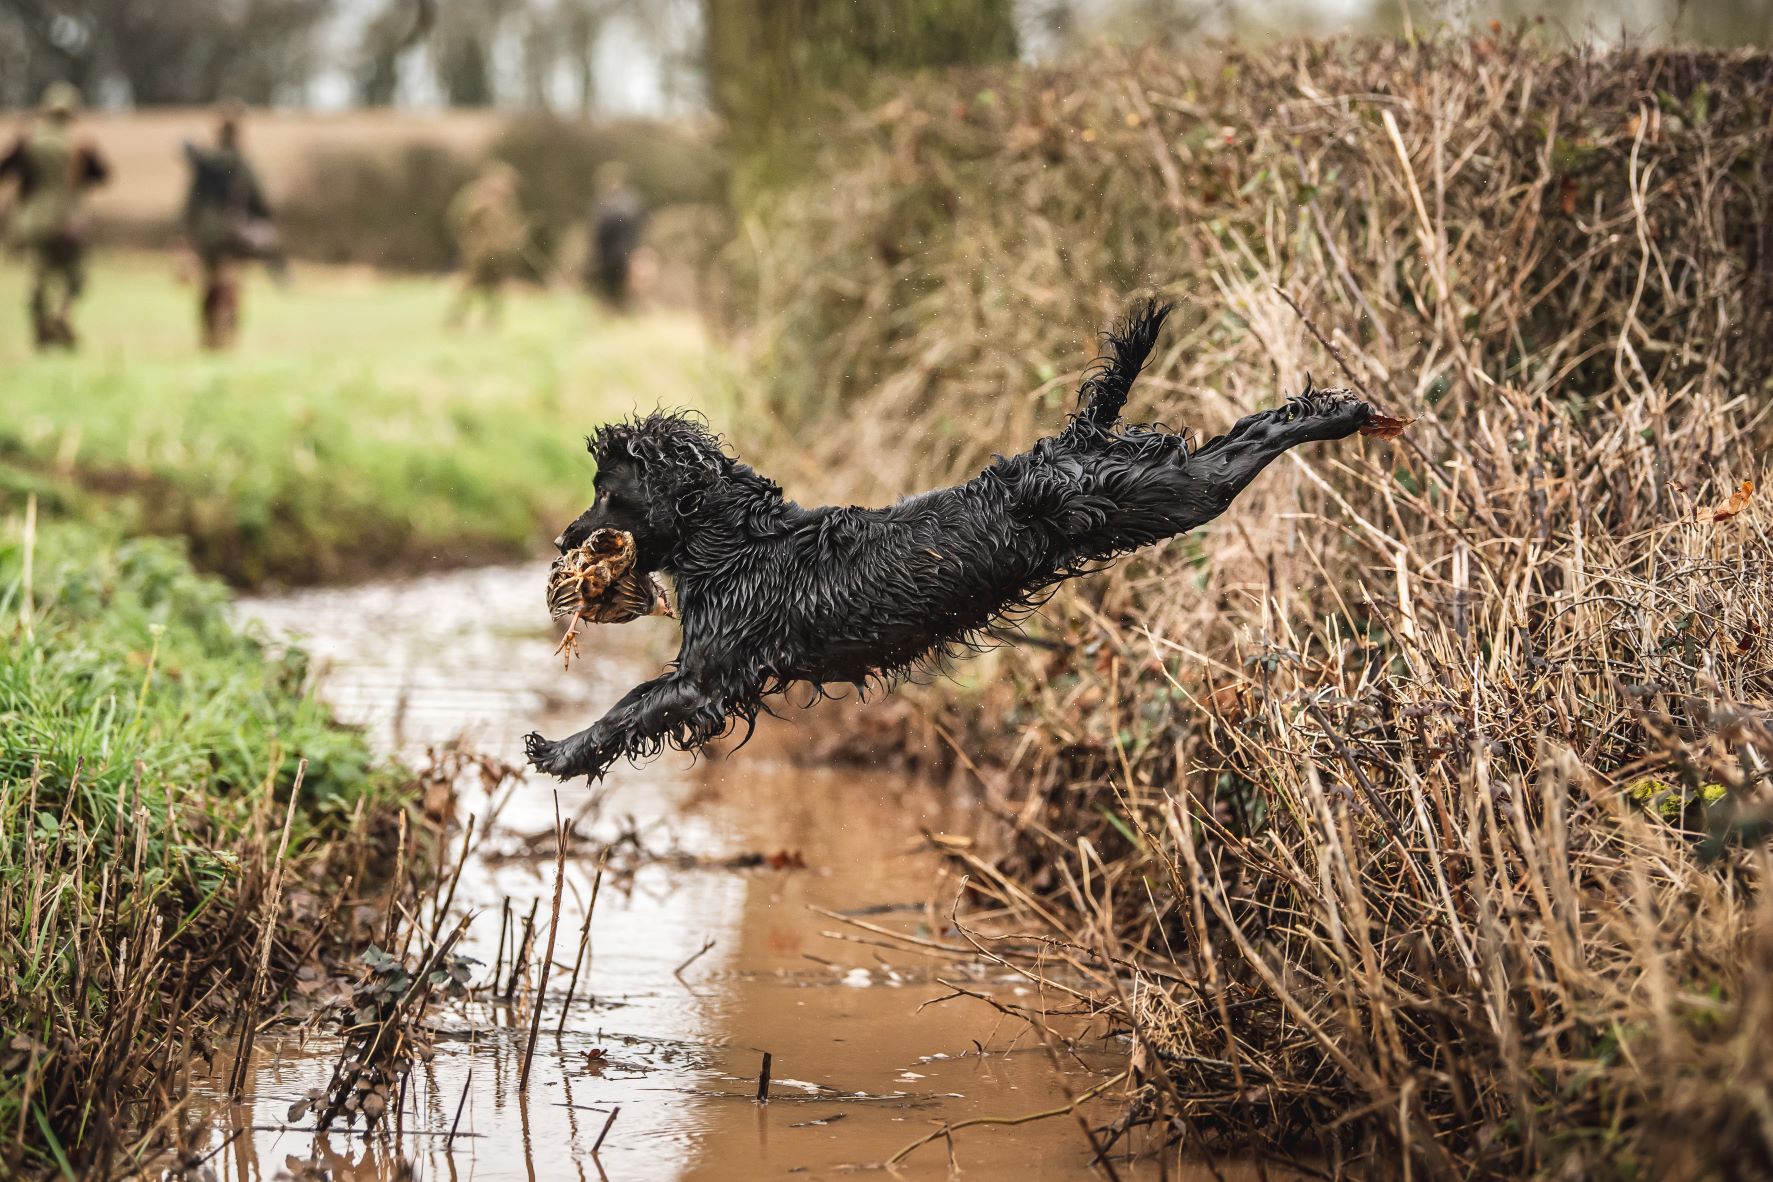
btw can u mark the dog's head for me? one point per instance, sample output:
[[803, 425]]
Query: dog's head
[[652, 476]]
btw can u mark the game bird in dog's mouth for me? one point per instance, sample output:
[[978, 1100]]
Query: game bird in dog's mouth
[[771, 594], [596, 581]]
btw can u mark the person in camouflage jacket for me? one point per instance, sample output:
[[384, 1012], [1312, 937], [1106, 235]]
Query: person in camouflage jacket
[[52, 171], [227, 221]]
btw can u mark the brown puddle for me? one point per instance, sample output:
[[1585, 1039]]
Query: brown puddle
[[859, 1070]]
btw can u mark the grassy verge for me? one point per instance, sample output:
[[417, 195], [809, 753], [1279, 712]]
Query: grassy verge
[[147, 750], [349, 432], [1411, 817]]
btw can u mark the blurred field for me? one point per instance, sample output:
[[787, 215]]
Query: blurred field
[[348, 431]]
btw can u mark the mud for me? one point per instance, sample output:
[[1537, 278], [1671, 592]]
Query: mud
[[712, 951]]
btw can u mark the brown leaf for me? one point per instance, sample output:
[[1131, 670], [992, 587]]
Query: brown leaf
[[1228, 702], [1384, 427], [1737, 503], [1567, 193]]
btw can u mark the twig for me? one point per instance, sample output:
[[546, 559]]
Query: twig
[[521, 950], [267, 933], [460, 1104], [948, 1130], [694, 957], [535, 1017], [763, 1079], [504, 930], [1331, 349], [584, 944], [456, 877], [208, 1157], [604, 1132]]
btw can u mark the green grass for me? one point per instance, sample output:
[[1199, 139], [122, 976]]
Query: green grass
[[349, 432], [145, 745], [130, 660]]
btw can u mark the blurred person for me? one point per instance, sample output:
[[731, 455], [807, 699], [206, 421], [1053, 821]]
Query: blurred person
[[53, 171], [227, 221], [490, 233], [617, 223]]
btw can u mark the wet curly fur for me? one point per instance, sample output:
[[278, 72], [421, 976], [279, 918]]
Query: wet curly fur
[[771, 594]]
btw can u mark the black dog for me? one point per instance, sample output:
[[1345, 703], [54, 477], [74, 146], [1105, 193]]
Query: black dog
[[770, 593]]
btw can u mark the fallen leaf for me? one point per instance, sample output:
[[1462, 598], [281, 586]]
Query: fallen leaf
[[1384, 427], [786, 860], [1737, 503], [1228, 702], [1567, 193]]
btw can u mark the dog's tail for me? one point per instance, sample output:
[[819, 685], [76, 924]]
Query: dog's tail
[[1126, 346]]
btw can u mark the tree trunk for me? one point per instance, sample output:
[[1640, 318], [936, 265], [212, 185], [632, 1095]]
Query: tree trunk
[[765, 56]]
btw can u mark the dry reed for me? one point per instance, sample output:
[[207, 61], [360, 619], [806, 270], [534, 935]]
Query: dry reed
[[1407, 820]]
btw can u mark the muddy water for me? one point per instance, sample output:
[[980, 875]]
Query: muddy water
[[674, 1039]]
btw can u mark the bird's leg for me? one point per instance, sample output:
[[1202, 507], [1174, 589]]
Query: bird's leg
[[569, 642]]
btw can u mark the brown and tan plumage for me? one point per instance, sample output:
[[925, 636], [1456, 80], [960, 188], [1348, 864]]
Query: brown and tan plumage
[[597, 582]]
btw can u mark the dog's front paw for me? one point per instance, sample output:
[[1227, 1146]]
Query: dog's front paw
[[567, 758], [547, 756]]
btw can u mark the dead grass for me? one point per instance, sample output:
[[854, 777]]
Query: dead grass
[[1409, 819]]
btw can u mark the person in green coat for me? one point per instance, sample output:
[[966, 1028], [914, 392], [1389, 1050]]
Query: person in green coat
[[490, 235], [227, 221], [53, 171]]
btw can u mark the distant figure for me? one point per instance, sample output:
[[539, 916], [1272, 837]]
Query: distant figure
[[617, 223], [227, 221], [53, 172], [490, 234]]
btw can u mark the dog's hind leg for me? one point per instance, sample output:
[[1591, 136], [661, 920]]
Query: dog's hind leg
[[1171, 496]]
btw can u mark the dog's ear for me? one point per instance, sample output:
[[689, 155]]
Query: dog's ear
[[678, 471]]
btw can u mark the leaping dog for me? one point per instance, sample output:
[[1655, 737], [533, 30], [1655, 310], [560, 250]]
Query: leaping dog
[[771, 594]]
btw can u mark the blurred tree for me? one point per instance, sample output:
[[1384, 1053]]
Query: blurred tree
[[565, 33], [765, 56], [397, 27], [153, 52], [581, 26], [461, 50]]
